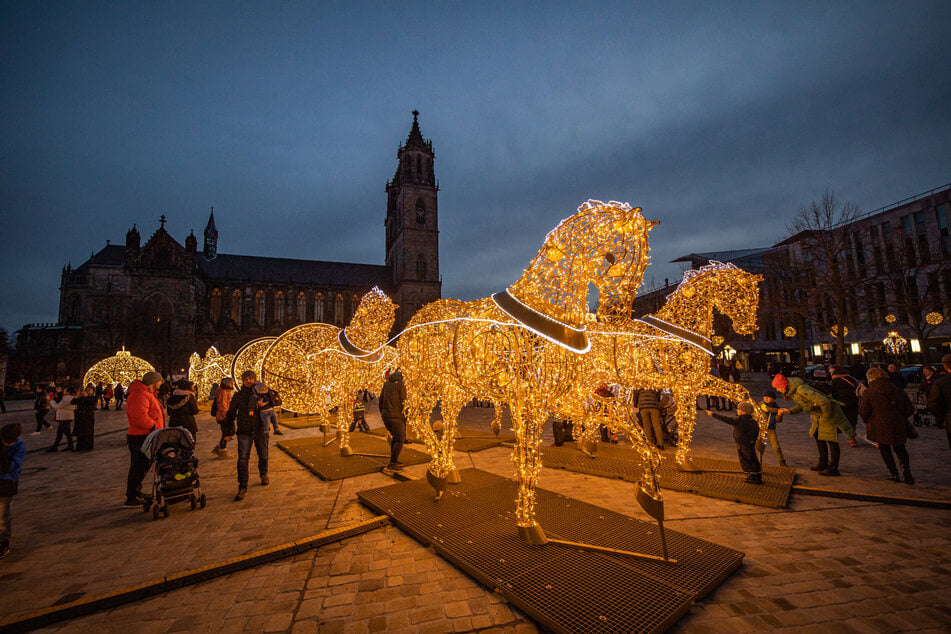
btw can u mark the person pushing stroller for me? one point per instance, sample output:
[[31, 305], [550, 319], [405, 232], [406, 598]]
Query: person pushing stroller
[[745, 434]]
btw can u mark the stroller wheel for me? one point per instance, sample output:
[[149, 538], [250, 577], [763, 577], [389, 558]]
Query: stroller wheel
[[165, 510], [194, 501], [201, 501], [155, 512]]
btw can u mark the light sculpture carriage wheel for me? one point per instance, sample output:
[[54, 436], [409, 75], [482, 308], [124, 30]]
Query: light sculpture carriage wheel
[[250, 356]]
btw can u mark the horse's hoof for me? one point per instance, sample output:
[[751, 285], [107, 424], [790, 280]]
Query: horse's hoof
[[532, 535], [346, 451], [688, 465], [324, 429], [496, 428], [438, 484], [454, 477]]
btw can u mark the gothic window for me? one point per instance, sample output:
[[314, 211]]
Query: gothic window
[[319, 307], [73, 309], [420, 212], [421, 268], [279, 307], [301, 307], [419, 169], [236, 307], [338, 309], [215, 307], [259, 308]]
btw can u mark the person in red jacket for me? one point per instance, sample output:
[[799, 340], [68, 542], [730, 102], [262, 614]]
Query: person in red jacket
[[145, 415]]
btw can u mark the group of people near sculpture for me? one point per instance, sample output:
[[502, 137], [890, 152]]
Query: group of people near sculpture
[[534, 347]]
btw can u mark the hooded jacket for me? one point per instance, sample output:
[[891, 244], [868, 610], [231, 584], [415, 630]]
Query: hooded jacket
[[182, 407], [827, 415], [64, 408], [143, 410], [885, 409], [392, 397]]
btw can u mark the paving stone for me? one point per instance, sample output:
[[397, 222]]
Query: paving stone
[[822, 565]]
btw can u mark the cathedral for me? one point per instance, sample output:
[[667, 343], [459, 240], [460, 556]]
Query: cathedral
[[163, 300]]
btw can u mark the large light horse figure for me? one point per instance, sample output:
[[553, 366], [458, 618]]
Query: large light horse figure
[[521, 346], [318, 366], [671, 349]]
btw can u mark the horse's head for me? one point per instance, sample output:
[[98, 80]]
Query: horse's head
[[726, 287], [604, 244], [372, 320]]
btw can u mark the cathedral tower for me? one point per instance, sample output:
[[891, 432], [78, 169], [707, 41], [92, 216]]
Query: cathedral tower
[[412, 230], [211, 238]]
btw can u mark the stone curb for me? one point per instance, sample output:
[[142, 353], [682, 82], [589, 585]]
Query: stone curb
[[871, 497], [83, 607]]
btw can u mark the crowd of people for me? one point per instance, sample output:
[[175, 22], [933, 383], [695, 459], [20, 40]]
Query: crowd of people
[[74, 412], [875, 397]]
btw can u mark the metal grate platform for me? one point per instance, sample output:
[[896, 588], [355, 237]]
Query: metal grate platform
[[328, 464], [564, 589], [470, 441], [721, 479], [299, 422]]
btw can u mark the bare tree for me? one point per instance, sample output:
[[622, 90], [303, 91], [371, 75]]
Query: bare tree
[[819, 260]]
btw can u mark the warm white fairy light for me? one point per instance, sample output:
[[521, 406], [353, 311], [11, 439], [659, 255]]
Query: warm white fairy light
[[207, 371], [120, 368], [524, 353]]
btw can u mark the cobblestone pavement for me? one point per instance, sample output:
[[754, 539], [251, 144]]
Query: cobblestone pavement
[[823, 564]]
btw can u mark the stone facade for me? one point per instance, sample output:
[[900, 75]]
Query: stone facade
[[163, 300]]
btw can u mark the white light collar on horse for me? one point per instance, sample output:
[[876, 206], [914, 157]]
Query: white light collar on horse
[[358, 353], [551, 329], [689, 336]]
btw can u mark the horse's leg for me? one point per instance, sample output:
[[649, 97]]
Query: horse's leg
[[527, 458], [451, 407], [587, 437], [496, 425], [344, 407], [686, 420]]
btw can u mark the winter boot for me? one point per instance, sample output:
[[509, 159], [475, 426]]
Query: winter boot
[[830, 471], [822, 466], [909, 480]]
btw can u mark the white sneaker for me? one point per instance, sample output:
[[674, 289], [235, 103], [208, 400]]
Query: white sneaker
[[36, 433]]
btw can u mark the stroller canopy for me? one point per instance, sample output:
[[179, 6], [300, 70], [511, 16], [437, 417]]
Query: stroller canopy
[[176, 435]]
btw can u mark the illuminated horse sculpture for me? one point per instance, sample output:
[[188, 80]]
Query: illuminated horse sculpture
[[522, 345], [204, 372], [313, 362], [671, 349]]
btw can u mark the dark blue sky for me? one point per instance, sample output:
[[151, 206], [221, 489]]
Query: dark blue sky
[[719, 119]]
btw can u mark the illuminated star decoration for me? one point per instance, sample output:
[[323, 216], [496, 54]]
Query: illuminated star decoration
[[121, 368]]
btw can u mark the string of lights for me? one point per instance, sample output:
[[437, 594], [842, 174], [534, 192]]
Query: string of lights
[[122, 368]]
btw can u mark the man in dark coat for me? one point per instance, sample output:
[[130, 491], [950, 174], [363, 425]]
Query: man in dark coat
[[251, 430], [843, 390], [84, 421], [939, 398], [895, 376], [392, 399], [885, 410]]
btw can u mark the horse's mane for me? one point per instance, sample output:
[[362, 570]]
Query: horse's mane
[[712, 267]]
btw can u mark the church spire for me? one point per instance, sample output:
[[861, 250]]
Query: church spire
[[415, 138], [211, 238]]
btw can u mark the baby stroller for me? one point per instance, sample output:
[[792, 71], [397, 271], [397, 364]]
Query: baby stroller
[[171, 451]]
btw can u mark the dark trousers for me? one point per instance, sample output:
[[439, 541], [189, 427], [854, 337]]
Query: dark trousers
[[259, 438], [64, 428], [397, 429], [829, 453], [83, 430], [139, 465], [359, 420], [900, 451], [41, 419], [561, 430], [749, 461], [226, 433]]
